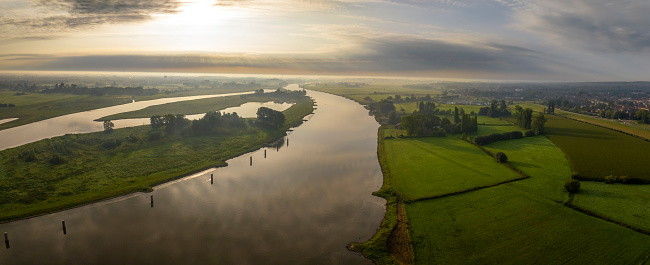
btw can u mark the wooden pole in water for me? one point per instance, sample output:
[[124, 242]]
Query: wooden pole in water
[[287, 142], [211, 178], [264, 153], [65, 231], [6, 240], [151, 201], [251, 160]]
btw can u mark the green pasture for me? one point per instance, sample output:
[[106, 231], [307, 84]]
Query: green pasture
[[503, 225], [596, 152], [434, 166], [627, 204], [540, 159], [92, 171]]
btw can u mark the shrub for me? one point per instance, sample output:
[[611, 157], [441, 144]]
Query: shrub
[[501, 157], [57, 160], [572, 185], [611, 179], [154, 136], [575, 175], [529, 133]]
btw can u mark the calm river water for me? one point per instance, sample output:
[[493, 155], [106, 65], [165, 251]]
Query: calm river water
[[300, 205]]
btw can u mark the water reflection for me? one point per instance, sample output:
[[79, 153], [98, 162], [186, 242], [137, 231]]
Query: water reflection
[[299, 205], [82, 122], [246, 110]]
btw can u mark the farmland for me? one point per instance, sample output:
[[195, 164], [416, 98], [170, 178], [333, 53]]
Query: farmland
[[627, 204], [523, 221], [427, 167], [596, 152], [544, 162], [502, 225]]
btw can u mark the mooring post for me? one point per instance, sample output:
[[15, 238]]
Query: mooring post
[[211, 178], [151, 201], [65, 231], [264, 153], [251, 160], [287, 142], [6, 240]]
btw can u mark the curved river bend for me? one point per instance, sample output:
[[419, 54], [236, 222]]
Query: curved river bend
[[300, 205]]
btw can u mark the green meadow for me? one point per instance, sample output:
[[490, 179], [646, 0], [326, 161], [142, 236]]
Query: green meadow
[[627, 204], [435, 166], [34, 180], [540, 159], [503, 225], [596, 152]]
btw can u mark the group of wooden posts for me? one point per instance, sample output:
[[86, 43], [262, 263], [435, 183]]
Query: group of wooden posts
[[65, 231]]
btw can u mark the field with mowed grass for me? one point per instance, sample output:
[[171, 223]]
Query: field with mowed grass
[[503, 225], [434, 166], [539, 158], [596, 152], [627, 204]]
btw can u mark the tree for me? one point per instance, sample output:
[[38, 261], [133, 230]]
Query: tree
[[392, 118], [271, 118], [410, 124], [157, 121], [456, 116], [642, 115], [108, 126], [537, 124], [572, 185], [501, 157]]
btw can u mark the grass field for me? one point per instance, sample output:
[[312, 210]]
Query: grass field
[[92, 171], [434, 166], [503, 225], [539, 158], [596, 152], [641, 130], [628, 204]]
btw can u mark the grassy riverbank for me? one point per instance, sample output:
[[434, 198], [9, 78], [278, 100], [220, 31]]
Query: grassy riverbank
[[72, 170]]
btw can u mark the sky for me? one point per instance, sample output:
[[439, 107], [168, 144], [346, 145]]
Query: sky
[[546, 40]]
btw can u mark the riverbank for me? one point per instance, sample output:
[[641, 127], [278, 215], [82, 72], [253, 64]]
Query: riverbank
[[72, 170]]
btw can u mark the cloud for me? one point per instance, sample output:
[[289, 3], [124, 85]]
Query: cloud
[[383, 55], [60, 16], [596, 25]]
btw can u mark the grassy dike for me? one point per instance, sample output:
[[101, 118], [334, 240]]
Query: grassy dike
[[377, 248], [73, 170]]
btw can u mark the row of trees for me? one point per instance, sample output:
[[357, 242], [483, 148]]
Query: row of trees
[[100, 91], [525, 119], [424, 122], [496, 109]]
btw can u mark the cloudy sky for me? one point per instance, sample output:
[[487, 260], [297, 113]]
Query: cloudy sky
[[577, 40]]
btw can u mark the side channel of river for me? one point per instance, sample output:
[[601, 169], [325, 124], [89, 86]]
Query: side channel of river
[[299, 204]]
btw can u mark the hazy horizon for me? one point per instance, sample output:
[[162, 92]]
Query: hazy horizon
[[441, 39]]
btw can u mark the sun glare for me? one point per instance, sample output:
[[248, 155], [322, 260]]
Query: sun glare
[[199, 24]]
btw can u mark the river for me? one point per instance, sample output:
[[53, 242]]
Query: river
[[299, 204]]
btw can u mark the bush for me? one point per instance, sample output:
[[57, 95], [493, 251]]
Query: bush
[[575, 175], [57, 160], [501, 157], [529, 133], [154, 136], [111, 143], [611, 179], [572, 185]]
